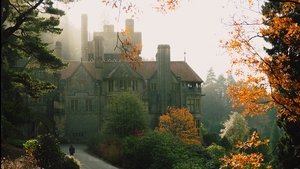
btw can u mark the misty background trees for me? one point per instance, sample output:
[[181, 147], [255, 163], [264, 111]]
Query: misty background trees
[[22, 25], [217, 107], [216, 104]]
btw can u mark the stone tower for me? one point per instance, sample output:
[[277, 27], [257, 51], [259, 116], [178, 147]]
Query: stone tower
[[129, 24], [84, 37], [98, 51]]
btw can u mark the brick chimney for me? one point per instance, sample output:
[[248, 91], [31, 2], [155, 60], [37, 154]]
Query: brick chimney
[[164, 75]]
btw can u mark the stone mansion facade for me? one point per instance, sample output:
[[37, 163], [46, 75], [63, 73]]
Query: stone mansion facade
[[77, 107]]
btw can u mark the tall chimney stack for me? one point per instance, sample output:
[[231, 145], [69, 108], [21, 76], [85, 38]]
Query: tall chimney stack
[[164, 75], [84, 37], [129, 25]]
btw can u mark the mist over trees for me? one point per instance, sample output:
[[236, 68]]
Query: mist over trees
[[216, 104], [269, 91]]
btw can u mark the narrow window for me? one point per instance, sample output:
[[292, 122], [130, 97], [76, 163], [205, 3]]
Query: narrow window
[[134, 85], [74, 105], [88, 105], [121, 84], [110, 85], [197, 104], [153, 86], [190, 104]]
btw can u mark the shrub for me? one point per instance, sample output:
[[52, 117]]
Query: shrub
[[93, 143], [24, 162], [215, 152], [197, 151], [210, 138], [16, 142], [71, 163], [45, 152], [106, 146], [45, 149], [155, 151], [180, 122], [30, 146], [126, 115], [110, 149], [224, 142], [191, 164], [10, 151]]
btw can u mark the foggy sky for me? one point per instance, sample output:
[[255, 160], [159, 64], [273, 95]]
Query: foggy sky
[[195, 29]]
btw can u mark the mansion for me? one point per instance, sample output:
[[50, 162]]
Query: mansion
[[78, 106]]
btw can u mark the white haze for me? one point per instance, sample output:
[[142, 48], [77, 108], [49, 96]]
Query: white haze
[[193, 31]]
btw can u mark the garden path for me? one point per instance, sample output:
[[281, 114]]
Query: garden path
[[87, 161]]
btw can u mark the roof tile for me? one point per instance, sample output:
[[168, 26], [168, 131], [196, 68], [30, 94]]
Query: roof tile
[[147, 69]]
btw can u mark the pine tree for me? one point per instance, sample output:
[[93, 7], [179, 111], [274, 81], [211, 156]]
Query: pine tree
[[282, 21], [22, 24]]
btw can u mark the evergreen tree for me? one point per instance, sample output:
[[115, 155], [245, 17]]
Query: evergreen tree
[[285, 54], [235, 129], [22, 24], [216, 104], [210, 78]]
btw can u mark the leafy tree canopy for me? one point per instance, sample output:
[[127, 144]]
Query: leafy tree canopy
[[126, 115], [180, 123], [273, 77]]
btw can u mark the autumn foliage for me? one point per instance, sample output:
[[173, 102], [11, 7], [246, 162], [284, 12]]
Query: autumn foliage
[[265, 56], [129, 6], [129, 50], [180, 123], [267, 79], [246, 160]]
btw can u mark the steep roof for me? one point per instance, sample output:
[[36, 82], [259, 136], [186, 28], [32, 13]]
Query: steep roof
[[93, 71], [73, 66], [123, 70], [179, 68], [184, 71], [147, 69], [70, 69]]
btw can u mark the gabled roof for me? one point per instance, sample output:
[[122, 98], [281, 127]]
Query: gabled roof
[[146, 70], [74, 65], [185, 72], [70, 69], [93, 71], [179, 68], [122, 69]]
